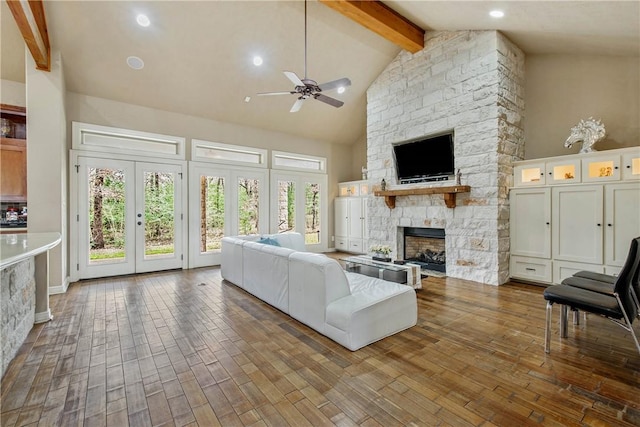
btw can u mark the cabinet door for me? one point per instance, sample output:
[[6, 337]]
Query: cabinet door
[[622, 219], [341, 217], [530, 220], [631, 165], [563, 172], [601, 168], [531, 174], [577, 218], [355, 219], [13, 169]]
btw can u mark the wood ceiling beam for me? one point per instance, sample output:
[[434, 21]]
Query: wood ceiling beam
[[32, 23], [379, 18]]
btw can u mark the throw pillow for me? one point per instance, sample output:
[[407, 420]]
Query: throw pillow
[[268, 241]]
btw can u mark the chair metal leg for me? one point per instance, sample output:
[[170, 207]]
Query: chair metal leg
[[628, 322], [547, 330], [564, 314], [576, 316]]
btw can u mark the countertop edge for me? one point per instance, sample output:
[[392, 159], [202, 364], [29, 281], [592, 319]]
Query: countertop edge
[[42, 243]]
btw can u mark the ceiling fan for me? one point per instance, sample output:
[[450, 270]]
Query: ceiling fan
[[306, 88]]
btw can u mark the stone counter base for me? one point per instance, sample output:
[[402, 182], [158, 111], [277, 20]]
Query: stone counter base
[[17, 308]]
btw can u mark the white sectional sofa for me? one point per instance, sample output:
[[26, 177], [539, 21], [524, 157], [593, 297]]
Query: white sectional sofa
[[351, 309]]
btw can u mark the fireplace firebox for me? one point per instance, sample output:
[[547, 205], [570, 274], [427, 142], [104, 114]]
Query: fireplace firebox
[[426, 247]]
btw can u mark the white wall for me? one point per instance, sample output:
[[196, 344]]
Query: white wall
[[88, 109], [47, 163], [562, 89], [13, 93]]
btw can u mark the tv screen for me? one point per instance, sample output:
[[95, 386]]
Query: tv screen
[[425, 159]]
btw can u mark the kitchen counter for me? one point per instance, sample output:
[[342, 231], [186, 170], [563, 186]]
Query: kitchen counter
[[16, 247], [24, 288]]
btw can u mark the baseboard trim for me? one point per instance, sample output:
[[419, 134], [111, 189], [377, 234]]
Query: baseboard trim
[[43, 317], [54, 290]]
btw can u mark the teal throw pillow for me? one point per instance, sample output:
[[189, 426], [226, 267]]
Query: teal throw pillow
[[268, 241]]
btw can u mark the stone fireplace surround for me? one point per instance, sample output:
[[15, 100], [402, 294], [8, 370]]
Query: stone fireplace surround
[[471, 82]]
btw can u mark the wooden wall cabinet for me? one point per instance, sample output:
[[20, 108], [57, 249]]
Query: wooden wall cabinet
[[13, 170], [13, 155]]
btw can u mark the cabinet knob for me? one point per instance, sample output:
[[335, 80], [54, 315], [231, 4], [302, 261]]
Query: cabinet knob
[[541, 173], [628, 166], [139, 223], [547, 223], [610, 225], [615, 167], [599, 225]]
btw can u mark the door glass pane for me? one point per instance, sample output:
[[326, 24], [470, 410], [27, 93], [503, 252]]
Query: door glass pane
[[106, 215], [158, 214], [248, 206], [312, 213], [286, 206], [211, 213]]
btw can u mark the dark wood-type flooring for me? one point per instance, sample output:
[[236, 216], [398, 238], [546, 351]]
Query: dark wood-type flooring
[[185, 348]]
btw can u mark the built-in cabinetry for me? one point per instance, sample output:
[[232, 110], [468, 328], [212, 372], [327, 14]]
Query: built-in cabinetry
[[574, 213], [351, 217], [13, 154]]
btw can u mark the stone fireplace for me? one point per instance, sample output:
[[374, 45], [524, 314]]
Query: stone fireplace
[[426, 247], [471, 82]]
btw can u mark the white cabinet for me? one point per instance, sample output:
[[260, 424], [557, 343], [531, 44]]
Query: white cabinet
[[353, 189], [574, 213], [351, 224], [531, 222], [577, 219], [622, 220]]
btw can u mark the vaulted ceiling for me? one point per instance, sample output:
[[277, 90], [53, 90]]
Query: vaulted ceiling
[[198, 55]]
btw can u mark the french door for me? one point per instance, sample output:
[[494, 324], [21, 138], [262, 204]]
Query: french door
[[129, 217], [299, 204], [224, 201]]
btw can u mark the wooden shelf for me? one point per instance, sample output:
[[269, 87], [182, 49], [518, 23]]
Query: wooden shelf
[[449, 194]]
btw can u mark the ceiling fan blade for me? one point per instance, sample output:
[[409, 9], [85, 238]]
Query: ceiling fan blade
[[294, 78], [297, 105], [328, 100], [344, 82], [275, 93]]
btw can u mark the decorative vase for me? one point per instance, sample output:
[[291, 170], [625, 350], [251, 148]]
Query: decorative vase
[[379, 256]]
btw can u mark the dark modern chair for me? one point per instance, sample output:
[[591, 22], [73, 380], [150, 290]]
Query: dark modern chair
[[605, 283], [619, 306]]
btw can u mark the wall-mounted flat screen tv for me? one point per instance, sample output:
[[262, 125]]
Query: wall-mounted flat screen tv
[[425, 159]]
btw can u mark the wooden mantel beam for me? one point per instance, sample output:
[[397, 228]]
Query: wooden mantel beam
[[383, 20], [32, 23]]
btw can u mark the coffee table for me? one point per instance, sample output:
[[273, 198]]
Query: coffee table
[[406, 274]]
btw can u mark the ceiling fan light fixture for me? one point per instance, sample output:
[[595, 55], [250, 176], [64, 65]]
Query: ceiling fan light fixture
[[496, 14], [257, 60], [341, 89]]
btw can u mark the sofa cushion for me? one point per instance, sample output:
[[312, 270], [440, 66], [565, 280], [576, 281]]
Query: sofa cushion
[[315, 280], [290, 240], [375, 309], [266, 273]]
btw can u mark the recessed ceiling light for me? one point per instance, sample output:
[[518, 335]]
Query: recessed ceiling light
[[247, 98], [257, 61], [341, 89], [143, 20], [135, 63], [496, 14]]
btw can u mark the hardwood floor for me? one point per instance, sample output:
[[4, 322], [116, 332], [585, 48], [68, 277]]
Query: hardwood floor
[[186, 348]]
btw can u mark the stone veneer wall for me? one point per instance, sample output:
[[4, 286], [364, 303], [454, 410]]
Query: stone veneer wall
[[471, 82], [17, 308]]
